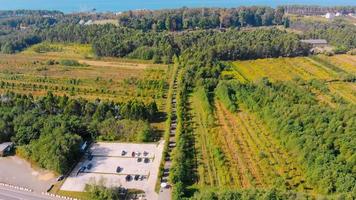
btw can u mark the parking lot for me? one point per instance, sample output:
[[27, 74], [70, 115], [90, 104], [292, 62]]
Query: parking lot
[[130, 165]]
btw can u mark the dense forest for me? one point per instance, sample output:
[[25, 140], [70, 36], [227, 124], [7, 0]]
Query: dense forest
[[201, 18], [109, 40], [34, 124]]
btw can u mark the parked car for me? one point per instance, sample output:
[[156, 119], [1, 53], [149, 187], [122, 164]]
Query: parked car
[[128, 178], [137, 177], [81, 169], [89, 166], [119, 169], [60, 178], [90, 157]]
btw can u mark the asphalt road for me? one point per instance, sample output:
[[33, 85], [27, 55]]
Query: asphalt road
[[12, 194]]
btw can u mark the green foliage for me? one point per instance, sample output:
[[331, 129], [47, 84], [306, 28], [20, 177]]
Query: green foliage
[[49, 130], [271, 194], [337, 33], [226, 95], [46, 47], [206, 18], [56, 150], [100, 192], [322, 136], [125, 130], [72, 63]]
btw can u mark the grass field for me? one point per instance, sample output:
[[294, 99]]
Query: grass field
[[106, 78]]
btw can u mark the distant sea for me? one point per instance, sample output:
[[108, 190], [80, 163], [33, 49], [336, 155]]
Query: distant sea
[[68, 6]]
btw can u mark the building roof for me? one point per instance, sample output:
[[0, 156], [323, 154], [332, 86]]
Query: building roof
[[315, 41], [5, 145]]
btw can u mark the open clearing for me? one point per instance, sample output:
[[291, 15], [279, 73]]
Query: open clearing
[[16, 171], [115, 79], [319, 67], [108, 156]]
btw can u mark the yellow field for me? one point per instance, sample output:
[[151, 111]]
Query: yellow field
[[346, 90], [279, 69], [345, 62], [320, 67], [105, 78]]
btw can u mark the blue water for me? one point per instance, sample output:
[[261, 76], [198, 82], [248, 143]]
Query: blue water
[[122, 5]]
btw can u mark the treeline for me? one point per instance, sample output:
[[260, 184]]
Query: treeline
[[322, 136], [17, 13], [202, 18], [12, 43], [183, 162], [49, 130], [109, 40]]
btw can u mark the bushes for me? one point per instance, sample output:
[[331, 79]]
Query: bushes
[[72, 63], [226, 95], [97, 191], [125, 130]]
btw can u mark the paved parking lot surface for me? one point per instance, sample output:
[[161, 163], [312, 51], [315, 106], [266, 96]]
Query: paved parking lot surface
[[107, 157], [16, 171]]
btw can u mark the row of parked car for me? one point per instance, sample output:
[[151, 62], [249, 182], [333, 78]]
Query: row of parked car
[[134, 154], [136, 177]]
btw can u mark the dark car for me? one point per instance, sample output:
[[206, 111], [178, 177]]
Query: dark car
[[137, 177], [118, 169], [90, 157], [60, 178], [128, 178], [89, 166], [81, 169]]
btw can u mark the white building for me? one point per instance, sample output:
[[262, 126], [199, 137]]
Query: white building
[[330, 16]]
